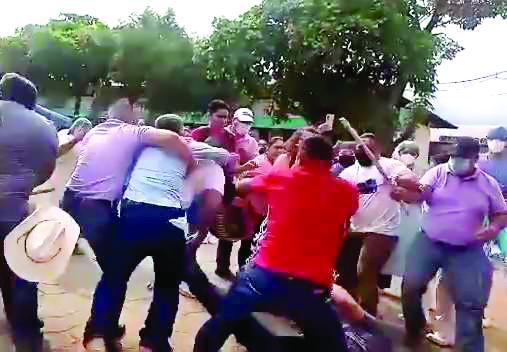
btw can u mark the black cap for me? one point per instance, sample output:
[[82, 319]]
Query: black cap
[[467, 147], [499, 133], [19, 89]]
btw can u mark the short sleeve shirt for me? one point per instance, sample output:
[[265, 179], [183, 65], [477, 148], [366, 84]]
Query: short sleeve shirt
[[106, 156], [458, 206], [28, 144], [306, 223], [496, 168], [378, 212]]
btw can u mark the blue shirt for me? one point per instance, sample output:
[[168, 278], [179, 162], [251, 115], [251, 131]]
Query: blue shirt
[[496, 168], [28, 144]]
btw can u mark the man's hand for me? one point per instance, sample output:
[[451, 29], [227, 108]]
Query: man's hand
[[488, 233]]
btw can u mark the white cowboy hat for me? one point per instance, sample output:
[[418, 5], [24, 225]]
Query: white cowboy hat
[[40, 247]]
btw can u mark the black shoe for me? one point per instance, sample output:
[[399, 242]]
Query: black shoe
[[111, 343]]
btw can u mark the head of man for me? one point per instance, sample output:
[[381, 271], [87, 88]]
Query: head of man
[[497, 139], [371, 143], [16, 88], [242, 122], [263, 146], [122, 110], [316, 149], [276, 147], [407, 152], [80, 127], [464, 156], [218, 114], [170, 122]]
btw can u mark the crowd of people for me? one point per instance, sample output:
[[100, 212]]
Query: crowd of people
[[319, 222]]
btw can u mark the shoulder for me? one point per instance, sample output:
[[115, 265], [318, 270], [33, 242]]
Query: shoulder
[[349, 172], [488, 179], [200, 133]]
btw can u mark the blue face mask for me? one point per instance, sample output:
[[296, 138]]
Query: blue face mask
[[461, 166]]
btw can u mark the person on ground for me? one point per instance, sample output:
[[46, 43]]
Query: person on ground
[[97, 182], [292, 274], [452, 238], [374, 227], [28, 153]]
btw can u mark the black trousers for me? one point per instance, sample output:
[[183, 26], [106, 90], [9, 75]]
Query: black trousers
[[224, 251]]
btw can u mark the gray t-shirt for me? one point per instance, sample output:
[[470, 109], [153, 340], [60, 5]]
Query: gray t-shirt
[[28, 144], [496, 168]]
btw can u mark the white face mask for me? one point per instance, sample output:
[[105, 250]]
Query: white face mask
[[461, 166], [496, 146], [408, 159], [241, 129]]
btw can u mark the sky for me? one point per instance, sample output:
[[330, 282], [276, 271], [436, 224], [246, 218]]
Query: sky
[[482, 102]]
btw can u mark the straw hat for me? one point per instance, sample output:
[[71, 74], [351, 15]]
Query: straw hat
[[40, 247]]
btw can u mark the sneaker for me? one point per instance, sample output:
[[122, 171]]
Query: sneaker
[[438, 339]]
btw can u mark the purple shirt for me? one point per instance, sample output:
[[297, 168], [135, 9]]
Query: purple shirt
[[28, 145], [106, 155], [458, 206]]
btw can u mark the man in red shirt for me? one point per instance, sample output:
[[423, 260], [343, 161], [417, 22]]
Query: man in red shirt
[[292, 274]]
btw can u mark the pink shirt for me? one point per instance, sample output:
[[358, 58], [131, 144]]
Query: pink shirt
[[106, 156]]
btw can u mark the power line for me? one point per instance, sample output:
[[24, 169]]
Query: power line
[[492, 75]]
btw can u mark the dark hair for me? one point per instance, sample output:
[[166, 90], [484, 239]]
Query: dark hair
[[273, 140], [19, 89], [216, 105], [369, 135], [318, 148], [169, 122]]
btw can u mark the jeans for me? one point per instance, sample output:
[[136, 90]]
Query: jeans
[[144, 231], [260, 290], [97, 219], [469, 275], [20, 301]]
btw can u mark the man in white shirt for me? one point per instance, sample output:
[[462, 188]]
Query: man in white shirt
[[374, 226]]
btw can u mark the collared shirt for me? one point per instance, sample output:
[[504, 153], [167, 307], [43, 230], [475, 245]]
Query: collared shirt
[[378, 212], [496, 168], [306, 223], [107, 153], [28, 143], [458, 206]]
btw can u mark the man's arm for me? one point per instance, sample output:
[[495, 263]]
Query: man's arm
[[497, 216], [169, 141]]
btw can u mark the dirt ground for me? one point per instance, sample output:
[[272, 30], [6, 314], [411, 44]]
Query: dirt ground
[[65, 307]]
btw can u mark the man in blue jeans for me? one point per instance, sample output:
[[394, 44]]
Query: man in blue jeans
[[28, 152], [459, 196], [291, 274]]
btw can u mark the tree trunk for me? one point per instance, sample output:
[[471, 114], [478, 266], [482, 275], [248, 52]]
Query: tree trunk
[[77, 106]]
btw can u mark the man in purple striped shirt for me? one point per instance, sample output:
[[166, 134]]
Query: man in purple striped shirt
[[458, 198]]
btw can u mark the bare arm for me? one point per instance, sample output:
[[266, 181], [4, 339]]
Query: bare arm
[[66, 147], [169, 141]]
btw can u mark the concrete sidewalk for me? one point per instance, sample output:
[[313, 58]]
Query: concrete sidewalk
[[65, 307]]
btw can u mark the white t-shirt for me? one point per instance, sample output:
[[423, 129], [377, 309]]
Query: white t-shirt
[[208, 175], [378, 212]]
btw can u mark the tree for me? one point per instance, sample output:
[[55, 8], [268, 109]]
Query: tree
[[75, 52], [351, 58], [156, 60]]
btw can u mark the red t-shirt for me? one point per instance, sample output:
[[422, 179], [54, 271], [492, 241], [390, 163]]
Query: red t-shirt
[[309, 212]]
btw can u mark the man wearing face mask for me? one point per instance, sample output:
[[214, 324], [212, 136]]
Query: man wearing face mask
[[458, 197], [245, 145], [374, 227], [496, 163], [407, 152]]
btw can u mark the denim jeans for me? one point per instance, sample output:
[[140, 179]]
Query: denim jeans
[[144, 231], [20, 301], [260, 290], [469, 275], [97, 219]]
